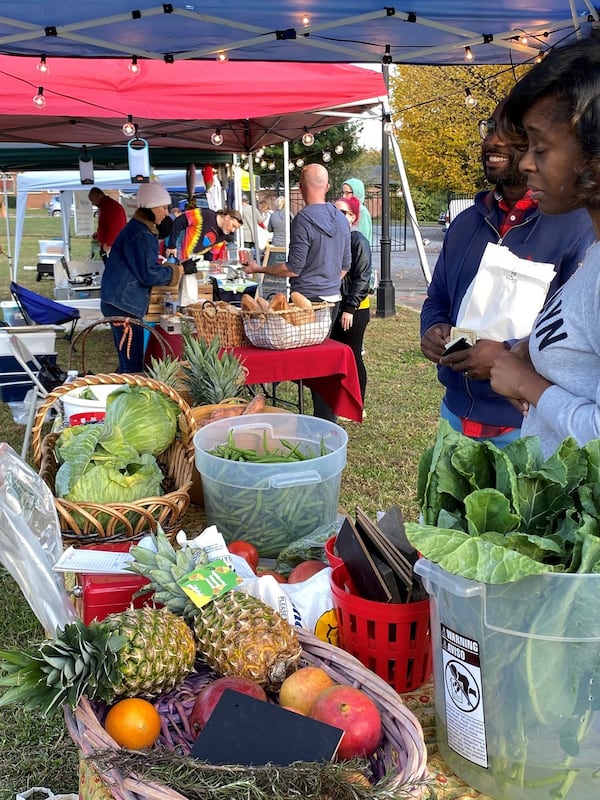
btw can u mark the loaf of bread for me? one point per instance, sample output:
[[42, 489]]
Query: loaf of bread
[[300, 301], [248, 303], [279, 302], [263, 304]]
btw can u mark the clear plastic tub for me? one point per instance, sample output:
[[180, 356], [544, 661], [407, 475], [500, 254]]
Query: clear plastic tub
[[517, 682], [271, 505]]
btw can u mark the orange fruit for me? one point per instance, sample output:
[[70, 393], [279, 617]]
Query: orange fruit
[[133, 723]]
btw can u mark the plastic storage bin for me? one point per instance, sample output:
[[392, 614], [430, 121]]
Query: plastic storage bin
[[391, 639], [40, 340], [271, 505], [517, 682], [11, 314]]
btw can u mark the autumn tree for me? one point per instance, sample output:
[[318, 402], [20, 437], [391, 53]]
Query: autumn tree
[[437, 130]]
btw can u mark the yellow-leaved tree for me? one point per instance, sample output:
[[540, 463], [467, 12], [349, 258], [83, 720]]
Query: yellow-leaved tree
[[436, 129]]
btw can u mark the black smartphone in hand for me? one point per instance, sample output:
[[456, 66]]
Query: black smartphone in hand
[[456, 345]]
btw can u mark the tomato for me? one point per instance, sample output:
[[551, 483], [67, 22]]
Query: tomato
[[246, 550]]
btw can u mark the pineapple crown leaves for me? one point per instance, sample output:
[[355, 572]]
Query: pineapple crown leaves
[[164, 567], [81, 659], [211, 377]]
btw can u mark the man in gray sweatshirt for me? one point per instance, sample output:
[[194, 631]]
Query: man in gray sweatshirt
[[319, 252]]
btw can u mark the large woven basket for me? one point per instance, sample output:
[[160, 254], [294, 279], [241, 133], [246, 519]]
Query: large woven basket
[[402, 751], [218, 319], [90, 523], [293, 327]]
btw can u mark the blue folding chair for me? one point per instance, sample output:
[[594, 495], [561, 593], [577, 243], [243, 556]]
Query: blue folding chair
[[40, 310]]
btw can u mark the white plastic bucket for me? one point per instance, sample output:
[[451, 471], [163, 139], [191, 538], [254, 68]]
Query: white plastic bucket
[[79, 411]]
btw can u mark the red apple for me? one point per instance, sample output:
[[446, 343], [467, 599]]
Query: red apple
[[211, 694], [305, 570], [300, 689], [355, 713], [277, 575]]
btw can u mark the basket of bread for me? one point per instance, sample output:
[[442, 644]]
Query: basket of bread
[[277, 324], [218, 319]]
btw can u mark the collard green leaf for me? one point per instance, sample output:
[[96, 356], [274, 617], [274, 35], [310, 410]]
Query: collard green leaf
[[433, 542], [479, 560], [489, 510]]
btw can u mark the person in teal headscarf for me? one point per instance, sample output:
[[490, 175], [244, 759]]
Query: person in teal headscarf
[[355, 187]]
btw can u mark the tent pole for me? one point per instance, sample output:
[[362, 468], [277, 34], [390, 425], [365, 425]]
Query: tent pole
[[286, 191], [8, 251], [386, 301], [412, 214]]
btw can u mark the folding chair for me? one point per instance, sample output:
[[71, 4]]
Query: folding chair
[[40, 310], [31, 366]]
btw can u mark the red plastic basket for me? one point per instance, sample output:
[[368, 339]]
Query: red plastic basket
[[332, 556], [391, 639]]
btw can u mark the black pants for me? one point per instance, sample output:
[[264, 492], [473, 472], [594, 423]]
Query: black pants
[[354, 337]]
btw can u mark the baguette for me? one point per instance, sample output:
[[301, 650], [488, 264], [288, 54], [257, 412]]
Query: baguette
[[279, 302], [300, 301], [248, 303], [263, 304]]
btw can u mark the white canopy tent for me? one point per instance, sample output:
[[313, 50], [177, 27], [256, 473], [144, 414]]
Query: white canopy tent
[[68, 182]]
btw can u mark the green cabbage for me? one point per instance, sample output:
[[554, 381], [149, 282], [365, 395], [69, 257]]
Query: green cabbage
[[103, 483], [145, 418]]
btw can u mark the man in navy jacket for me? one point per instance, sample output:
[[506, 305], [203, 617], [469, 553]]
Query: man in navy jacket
[[505, 215]]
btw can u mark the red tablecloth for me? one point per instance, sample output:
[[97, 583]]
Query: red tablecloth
[[329, 368]]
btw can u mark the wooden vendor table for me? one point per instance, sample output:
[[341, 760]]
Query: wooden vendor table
[[329, 368]]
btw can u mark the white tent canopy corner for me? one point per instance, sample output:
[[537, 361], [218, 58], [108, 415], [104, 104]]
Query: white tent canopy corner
[[69, 181]]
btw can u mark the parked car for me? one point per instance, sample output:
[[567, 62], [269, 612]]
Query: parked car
[[55, 210]]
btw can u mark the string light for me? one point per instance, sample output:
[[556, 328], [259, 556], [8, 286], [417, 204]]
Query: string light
[[129, 127], [308, 138], [291, 165], [326, 156], [338, 149], [260, 153], [306, 20], [387, 56], [271, 165], [43, 66], [470, 100], [39, 100], [468, 54], [134, 67], [539, 58], [217, 138], [222, 55], [388, 125], [263, 163], [300, 163]]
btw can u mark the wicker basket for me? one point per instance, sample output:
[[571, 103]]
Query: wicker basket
[[90, 523], [402, 750], [218, 319], [283, 330]]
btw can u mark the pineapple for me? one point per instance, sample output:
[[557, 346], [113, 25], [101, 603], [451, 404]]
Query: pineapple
[[136, 653], [237, 634], [167, 370], [210, 378]]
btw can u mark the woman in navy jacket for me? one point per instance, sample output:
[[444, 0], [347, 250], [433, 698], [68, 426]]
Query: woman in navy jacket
[[132, 269]]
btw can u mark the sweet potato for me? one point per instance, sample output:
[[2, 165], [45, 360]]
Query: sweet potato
[[256, 405]]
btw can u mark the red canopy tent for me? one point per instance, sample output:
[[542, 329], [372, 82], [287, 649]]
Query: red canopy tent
[[179, 105]]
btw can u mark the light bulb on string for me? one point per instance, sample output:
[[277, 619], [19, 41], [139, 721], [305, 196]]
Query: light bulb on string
[[217, 138], [271, 165], [539, 58], [134, 67], [338, 149], [305, 21], [42, 66], [129, 127], [326, 156], [468, 54], [222, 56], [291, 165], [39, 101], [263, 163], [308, 138], [299, 163], [388, 125], [470, 99], [260, 153]]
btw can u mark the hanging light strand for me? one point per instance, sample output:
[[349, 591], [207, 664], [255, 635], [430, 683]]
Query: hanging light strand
[[39, 101], [129, 128], [42, 66], [134, 67]]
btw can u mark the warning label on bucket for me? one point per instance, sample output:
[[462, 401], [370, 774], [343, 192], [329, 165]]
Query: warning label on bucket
[[465, 721]]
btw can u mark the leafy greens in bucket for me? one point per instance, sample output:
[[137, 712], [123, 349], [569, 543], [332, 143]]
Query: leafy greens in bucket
[[497, 515]]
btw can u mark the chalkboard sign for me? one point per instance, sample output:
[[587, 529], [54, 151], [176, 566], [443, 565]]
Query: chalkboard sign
[[272, 285]]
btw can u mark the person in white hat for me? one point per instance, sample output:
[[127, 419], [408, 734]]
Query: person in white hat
[[132, 269]]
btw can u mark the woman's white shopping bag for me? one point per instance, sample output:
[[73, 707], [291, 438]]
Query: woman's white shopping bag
[[505, 295]]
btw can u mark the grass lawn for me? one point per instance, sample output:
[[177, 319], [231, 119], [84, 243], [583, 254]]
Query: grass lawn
[[403, 397]]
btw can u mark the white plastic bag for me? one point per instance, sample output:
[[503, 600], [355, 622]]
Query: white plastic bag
[[45, 794], [505, 295], [188, 290]]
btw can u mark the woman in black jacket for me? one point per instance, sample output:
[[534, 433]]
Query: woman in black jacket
[[354, 315]]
